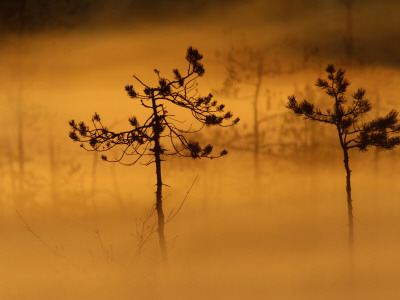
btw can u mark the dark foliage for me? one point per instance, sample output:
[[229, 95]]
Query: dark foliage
[[346, 114], [160, 126], [139, 140]]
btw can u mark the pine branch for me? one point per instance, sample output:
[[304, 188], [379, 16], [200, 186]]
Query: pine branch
[[137, 142], [380, 132]]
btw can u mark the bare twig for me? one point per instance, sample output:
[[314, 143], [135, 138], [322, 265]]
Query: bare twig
[[144, 232], [104, 250], [173, 213], [108, 253], [54, 251], [171, 243]]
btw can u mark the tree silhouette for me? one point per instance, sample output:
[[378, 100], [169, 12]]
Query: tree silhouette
[[145, 140], [249, 66], [19, 19], [248, 70], [345, 116]]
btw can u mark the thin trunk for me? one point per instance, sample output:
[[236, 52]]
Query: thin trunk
[[349, 200], [348, 191], [2, 191], [11, 169], [21, 154], [376, 153], [20, 118], [116, 189], [53, 171], [256, 124], [93, 190], [159, 204]]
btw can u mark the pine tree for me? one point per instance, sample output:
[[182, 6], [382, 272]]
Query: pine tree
[[249, 66], [345, 116], [145, 140], [248, 72]]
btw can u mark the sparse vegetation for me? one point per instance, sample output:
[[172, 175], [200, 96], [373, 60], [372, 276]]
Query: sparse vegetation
[[269, 220], [161, 135], [250, 67], [381, 132]]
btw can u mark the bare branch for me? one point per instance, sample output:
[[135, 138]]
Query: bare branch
[[173, 213]]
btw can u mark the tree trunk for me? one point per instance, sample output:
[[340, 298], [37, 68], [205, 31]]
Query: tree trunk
[[349, 200], [53, 170], [11, 170], [2, 186], [21, 155], [116, 189], [256, 124], [348, 187], [20, 201], [159, 206], [93, 189], [376, 153]]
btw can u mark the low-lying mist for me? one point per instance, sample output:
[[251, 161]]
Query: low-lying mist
[[287, 241], [75, 227]]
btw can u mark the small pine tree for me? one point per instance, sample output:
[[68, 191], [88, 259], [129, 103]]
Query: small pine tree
[[345, 116], [145, 140]]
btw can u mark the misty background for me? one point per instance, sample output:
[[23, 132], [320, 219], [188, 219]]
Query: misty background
[[275, 228]]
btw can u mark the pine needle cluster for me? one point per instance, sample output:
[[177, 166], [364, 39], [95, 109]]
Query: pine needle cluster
[[139, 140], [346, 115]]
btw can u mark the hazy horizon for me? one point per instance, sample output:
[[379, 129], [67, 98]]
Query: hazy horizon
[[71, 223]]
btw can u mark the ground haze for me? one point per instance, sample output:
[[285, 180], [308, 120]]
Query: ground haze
[[68, 224]]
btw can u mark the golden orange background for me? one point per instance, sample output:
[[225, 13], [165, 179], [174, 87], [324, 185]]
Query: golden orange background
[[280, 236]]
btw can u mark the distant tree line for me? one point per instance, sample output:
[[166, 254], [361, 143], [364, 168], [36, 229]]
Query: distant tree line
[[42, 15]]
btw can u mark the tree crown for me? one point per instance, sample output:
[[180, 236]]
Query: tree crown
[[142, 139], [346, 115]]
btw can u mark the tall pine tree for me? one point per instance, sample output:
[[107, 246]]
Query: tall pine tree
[[161, 134], [345, 116]]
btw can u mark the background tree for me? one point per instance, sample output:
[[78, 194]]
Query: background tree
[[18, 20], [249, 68], [379, 133], [145, 140]]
